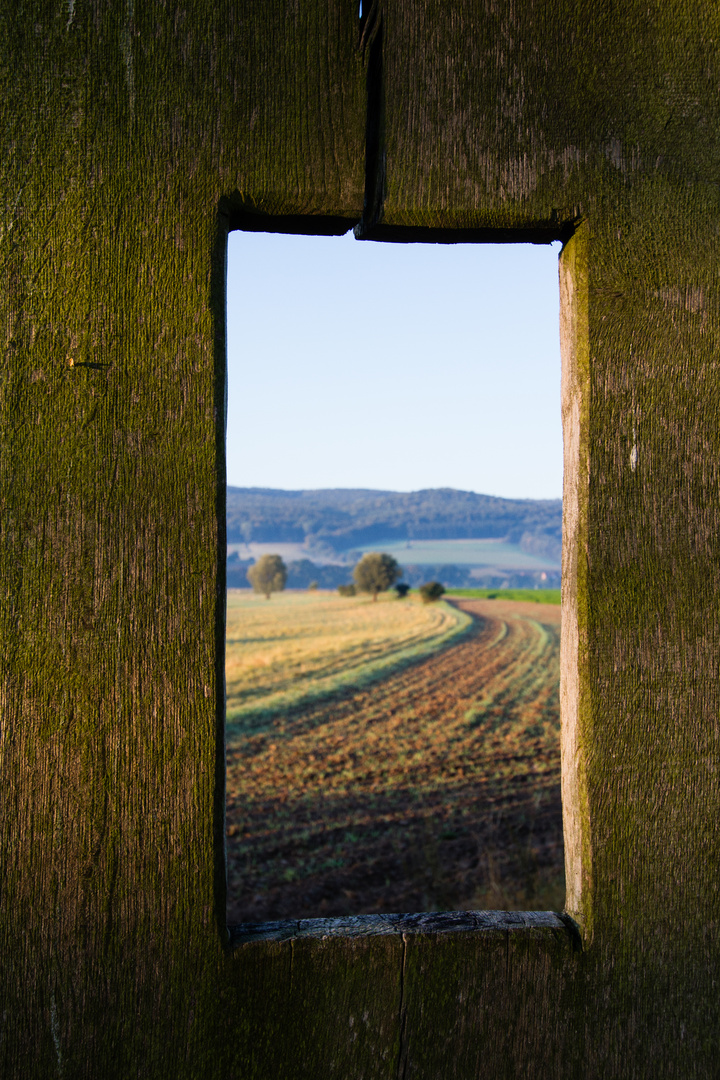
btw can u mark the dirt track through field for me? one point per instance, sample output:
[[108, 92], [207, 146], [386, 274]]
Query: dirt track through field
[[437, 788]]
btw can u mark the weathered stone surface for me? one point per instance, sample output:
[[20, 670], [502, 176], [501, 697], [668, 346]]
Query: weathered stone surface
[[134, 136], [518, 115]]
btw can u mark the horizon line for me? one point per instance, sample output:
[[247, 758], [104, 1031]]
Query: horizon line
[[393, 491]]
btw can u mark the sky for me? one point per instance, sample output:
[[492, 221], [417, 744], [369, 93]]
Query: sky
[[393, 366]]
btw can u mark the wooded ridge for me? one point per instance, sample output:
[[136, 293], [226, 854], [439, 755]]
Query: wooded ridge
[[342, 518]]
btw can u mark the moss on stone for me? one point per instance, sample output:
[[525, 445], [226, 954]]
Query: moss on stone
[[134, 135]]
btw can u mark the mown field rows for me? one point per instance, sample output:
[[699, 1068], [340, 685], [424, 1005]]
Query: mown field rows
[[434, 788], [300, 646]]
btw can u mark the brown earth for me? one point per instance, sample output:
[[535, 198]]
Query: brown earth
[[435, 789]]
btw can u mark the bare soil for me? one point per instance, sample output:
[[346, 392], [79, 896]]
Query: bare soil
[[435, 789]]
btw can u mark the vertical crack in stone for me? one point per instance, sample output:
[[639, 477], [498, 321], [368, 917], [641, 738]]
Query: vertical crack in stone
[[402, 1016], [371, 39], [55, 1031]]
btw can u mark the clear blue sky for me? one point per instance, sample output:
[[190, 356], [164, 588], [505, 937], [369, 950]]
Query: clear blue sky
[[395, 366]]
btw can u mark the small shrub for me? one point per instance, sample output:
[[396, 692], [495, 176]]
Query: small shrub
[[431, 590], [346, 590], [313, 586], [402, 589]]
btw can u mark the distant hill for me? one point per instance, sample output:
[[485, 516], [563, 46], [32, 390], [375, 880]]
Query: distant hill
[[340, 519]]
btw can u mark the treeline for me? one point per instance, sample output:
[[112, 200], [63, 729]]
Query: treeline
[[303, 572], [300, 574], [339, 519]]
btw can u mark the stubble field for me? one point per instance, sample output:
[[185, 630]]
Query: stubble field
[[436, 787], [301, 646]]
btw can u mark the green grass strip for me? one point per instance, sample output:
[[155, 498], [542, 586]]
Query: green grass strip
[[536, 596]]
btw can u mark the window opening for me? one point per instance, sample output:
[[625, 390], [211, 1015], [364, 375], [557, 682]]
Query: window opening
[[392, 755]]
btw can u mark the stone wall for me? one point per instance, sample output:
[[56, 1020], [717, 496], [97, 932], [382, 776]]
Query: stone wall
[[135, 135]]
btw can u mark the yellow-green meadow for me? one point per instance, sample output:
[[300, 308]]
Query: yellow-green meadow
[[299, 646]]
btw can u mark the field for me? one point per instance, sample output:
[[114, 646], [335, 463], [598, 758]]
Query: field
[[435, 787], [287, 552], [494, 553], [300, 646], [480, 553]]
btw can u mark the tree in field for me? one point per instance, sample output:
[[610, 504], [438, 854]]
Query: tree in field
[[431, 590], [376, 572], [268, 575]]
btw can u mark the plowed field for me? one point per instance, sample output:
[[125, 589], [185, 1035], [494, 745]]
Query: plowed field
[[437, 788]]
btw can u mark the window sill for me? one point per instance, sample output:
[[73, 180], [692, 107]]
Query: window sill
[[441, 922]]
